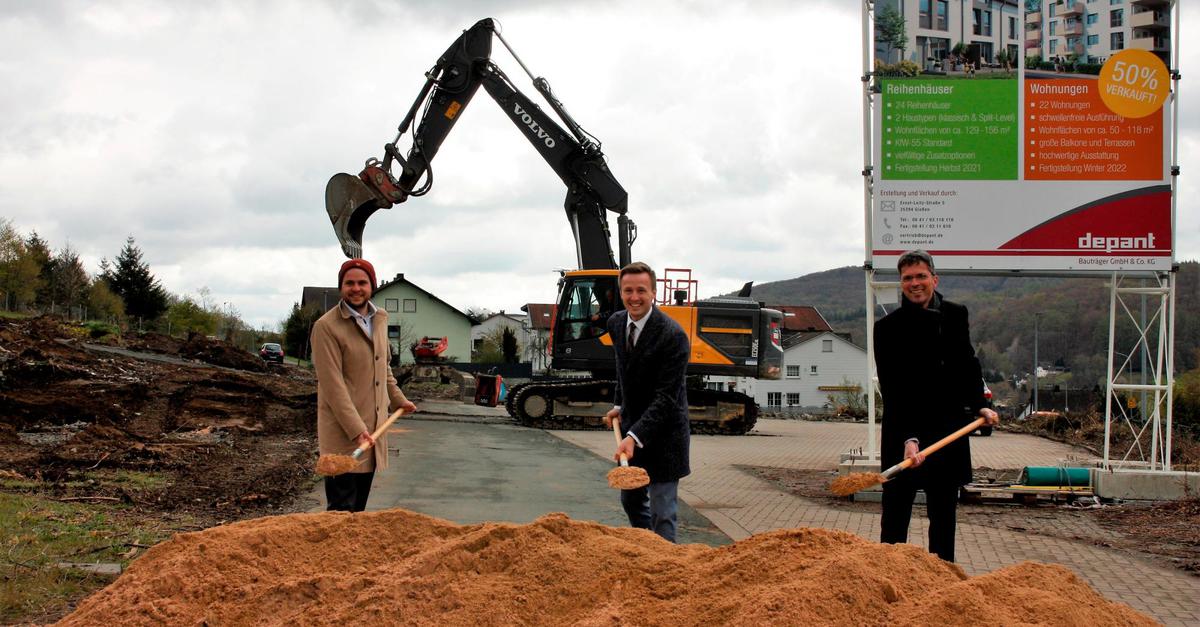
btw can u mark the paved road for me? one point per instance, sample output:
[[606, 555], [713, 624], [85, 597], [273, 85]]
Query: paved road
[[471, 471]]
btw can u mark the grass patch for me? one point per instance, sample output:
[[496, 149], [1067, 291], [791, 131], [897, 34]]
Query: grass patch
[[131, 479], [13, 315], [37, 533]]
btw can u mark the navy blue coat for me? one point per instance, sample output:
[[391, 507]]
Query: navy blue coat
[[652, 393], [932, 385]]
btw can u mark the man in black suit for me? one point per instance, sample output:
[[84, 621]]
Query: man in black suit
[[932, 385], [651, 399]]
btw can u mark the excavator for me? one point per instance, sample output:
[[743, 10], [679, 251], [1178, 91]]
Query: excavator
[[730, 336]]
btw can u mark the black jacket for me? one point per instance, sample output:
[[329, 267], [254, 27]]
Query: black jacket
[[652, 393], [932, 385]]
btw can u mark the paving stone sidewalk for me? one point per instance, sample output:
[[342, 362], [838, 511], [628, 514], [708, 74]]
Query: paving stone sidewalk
[[740, 504]]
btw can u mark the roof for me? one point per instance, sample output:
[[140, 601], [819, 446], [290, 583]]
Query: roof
[[399, 279], [541, 315], [323, 297], [518, 318], [802, 318], [797, 339]]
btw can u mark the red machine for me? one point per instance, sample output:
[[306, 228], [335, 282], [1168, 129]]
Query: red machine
[[429, 349]]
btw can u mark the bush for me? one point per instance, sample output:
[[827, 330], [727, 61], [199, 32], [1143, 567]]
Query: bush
[[97, 329], [903, 68]]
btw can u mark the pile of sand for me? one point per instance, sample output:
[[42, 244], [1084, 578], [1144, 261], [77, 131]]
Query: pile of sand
[[400, 567]]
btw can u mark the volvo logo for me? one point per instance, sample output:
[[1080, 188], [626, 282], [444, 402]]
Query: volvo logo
[[533, 125]]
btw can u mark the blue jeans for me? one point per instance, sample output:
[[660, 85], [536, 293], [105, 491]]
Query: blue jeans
[[654, 507]]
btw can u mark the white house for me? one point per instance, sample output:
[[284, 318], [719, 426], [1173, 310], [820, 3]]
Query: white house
[[414, 313], [519, 324], [816, 364]]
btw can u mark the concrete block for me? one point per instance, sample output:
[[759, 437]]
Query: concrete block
[[1148, 485]]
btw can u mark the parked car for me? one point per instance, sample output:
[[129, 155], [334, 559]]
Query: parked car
[[271, 352]]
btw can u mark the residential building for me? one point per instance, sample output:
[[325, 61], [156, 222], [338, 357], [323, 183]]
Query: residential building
[[414, 313], [496, 323], [935, 27], [1093, 30], [817, 362], [541, 324], [816, 365]]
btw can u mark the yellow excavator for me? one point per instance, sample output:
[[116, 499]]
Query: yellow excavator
[[730, 336]]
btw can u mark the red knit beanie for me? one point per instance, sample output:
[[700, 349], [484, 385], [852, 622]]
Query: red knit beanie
[[361, 264]]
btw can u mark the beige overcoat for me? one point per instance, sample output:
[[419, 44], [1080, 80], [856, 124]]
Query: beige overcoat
[[355, 387]]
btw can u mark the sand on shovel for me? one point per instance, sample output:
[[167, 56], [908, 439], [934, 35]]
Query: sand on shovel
[[628, 478], [399, 567], [334, 465], [853, 482]]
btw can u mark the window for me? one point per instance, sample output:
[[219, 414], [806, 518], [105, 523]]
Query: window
[[1012, 27], [793, 371], [1053, 10], [926, 17], [584, 314], [943, 15], [987, 24], [393, 331], [937, 48], [410, 305], [774, 399], [1115, 2], [477, 343], [812, 370], [1092, 18], [1116, 17], [793, 399], [1053, 28], [1093, 40], [1053, 46], [391, 304], [1117, 41], [826, 346]]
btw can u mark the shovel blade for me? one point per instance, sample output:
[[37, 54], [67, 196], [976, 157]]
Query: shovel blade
[[349, 202]]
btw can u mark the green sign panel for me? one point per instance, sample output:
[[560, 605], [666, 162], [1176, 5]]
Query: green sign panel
[[936, 129]]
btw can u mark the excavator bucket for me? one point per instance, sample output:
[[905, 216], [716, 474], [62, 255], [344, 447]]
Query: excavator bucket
[[349, 203]]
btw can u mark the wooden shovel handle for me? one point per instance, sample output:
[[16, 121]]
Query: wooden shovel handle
[[383, 427], [616, 423], [936, 446]]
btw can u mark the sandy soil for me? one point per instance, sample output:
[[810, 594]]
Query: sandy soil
[[397, 566]]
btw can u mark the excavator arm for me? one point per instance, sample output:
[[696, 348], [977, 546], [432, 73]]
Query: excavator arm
[[575, 156]]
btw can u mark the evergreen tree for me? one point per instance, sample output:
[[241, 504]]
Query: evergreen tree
[[67, 280], [509, 347], [297, 328], [130, 278]]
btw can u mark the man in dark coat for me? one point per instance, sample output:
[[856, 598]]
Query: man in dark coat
[[932, 385], [651, 399]]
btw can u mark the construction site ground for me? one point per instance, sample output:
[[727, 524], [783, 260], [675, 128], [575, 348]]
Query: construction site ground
[[118, 443]]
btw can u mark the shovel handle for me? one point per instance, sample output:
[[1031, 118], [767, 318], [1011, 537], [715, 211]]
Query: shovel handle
[[378, 432], [936, 446], [616, 423]]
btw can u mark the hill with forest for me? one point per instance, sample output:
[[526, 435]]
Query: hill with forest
[[1072, 317]]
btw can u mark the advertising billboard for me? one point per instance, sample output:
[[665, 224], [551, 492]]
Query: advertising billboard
[[1026, 144]]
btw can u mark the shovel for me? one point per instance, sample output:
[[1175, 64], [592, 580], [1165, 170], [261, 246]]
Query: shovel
[[333, 465], [854, 482], [625, 477]]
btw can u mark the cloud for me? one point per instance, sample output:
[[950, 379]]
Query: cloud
[[208, 132]]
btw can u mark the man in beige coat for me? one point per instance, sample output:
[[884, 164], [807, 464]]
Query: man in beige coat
[[355, 387]]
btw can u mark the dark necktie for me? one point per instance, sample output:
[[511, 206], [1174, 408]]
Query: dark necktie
[[630, 337]]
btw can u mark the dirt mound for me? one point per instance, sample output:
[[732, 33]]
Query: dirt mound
[[397, 566], [220, 438], [220, 353], [151, 342]]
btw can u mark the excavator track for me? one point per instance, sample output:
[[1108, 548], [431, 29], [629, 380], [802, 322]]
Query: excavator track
[[712, 412]]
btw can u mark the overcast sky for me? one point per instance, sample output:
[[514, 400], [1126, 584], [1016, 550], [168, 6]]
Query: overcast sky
[[208, 130]]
